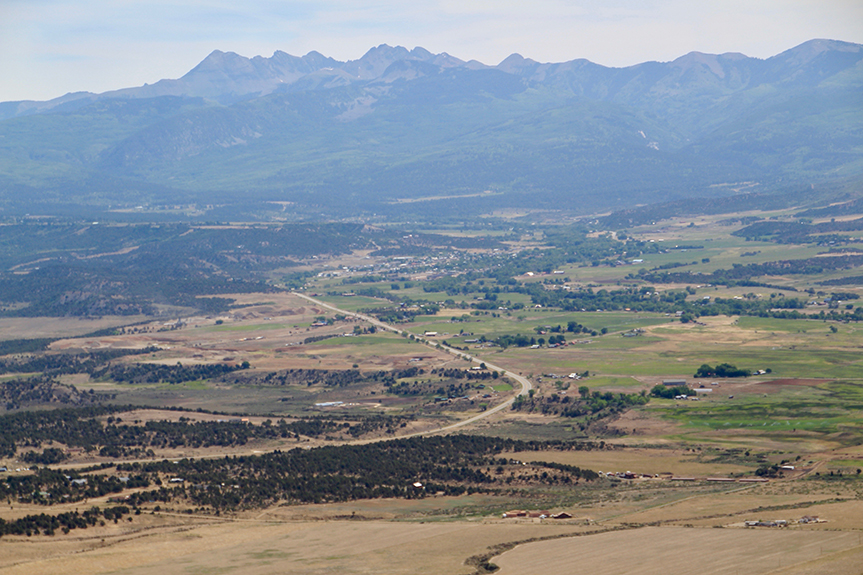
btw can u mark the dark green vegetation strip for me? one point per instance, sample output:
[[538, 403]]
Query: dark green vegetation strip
[[47, 486], [40, 390], [800, 232], [453, 465], [672, 301], [48, 524], [158, 373], [742, 273], [91, 270], [82, 428], [11, 346], [54, 364], [589, 407]]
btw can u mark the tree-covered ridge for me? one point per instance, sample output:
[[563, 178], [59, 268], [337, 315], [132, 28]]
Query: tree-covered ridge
[[92, 270], [47, 486], [40, 390], [308, 377], [127, 288], [117, 437], [672, 301], [52, 364], [800, 232], [453, 464], [27, 345], [406, 468], [65, 522], [160, 373], [739, 272], [21, 244], [641, 215]]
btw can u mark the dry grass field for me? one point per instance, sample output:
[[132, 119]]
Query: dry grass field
[[34, 327], [167, 544], [681, 551], [265, 547], [269, 333], [637, 460]]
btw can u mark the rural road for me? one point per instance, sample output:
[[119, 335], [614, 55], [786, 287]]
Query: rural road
[[523, 381]]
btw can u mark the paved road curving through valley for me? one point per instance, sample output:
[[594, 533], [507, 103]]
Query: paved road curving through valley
[[523, 381]]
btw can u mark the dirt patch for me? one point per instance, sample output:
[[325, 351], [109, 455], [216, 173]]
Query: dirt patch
[[145, 415], [640, 425]]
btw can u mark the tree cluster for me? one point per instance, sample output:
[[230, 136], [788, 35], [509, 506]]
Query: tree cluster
[[597, 404], [721, 370], [452, 465], [160, 373], [48, 524]]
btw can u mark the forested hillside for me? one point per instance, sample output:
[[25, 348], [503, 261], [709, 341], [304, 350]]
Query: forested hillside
[[360, 137]]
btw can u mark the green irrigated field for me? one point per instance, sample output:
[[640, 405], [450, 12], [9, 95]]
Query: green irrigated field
[[525, 321], [251, 327], [796, 417], [354, 303], [806, 348]]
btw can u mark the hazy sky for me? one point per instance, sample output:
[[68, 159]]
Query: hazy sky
[[51, 47]]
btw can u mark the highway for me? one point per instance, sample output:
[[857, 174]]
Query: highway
[[523, 381]]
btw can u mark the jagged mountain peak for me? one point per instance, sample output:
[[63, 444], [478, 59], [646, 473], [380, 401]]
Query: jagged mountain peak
[[517, 64], [227, 77], [409, 70]]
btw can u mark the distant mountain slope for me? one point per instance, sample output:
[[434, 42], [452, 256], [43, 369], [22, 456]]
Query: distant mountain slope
[[401, 123]]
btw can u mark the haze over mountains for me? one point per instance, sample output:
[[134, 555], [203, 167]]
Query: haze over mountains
[[370, 135]]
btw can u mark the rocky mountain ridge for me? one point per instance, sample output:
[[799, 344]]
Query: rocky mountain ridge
[[399, 123]]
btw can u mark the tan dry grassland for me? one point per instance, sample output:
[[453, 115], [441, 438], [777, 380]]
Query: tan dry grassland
[[260, 547], [681, 551], [637, 460], [269, 334], [35, 327]]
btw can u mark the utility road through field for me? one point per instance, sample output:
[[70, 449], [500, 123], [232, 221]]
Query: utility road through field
[[523, 381]]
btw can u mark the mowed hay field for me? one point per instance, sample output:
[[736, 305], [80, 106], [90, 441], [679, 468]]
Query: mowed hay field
[[637, 460], [684, 551], [262, 548]]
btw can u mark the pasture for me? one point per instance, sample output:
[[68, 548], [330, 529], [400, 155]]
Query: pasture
[[676, 551]]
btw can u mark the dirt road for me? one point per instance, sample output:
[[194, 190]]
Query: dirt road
[[523, 381]]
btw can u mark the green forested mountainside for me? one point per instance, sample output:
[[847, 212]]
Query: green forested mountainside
[[61, 270], [574, 134]]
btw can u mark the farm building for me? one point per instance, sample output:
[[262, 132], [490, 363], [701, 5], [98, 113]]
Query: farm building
[[517, 513]]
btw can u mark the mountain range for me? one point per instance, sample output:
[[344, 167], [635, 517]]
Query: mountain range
[[397, 126]]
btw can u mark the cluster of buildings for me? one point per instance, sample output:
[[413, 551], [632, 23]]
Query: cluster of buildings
[[537, 514], [806, 519]]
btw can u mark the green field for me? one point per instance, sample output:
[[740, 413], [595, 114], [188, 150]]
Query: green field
[[250, 327], [794, 415]]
